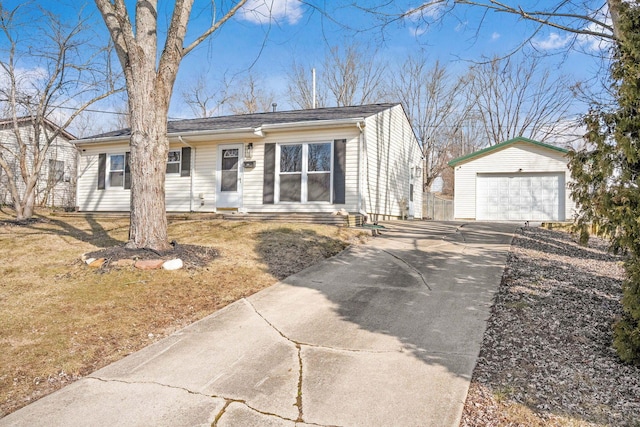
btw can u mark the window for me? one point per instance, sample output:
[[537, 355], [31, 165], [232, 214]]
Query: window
[[304, 172], [174, 161], [56, 171], [229, 173], [116, 170]]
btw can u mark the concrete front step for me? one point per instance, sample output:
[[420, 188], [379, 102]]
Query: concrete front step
[[310, 218]]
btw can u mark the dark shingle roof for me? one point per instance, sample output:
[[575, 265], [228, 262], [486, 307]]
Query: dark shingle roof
[[256, 120]]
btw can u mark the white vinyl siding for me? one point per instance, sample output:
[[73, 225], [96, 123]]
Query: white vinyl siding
[[253, 177], [61, 193], [387, 134], [391, 151], [89, 197], [517, 159]]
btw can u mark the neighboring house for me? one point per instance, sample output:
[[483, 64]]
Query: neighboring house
[[57, 177], [363, 159], [516, 180]]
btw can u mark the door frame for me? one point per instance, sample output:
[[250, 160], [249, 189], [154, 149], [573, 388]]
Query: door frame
[[220, 201]]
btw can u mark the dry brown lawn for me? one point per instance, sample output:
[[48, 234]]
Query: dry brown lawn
[[60, 320]]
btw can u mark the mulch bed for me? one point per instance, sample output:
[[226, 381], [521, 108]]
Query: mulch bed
[[193, 256], [547, 356]]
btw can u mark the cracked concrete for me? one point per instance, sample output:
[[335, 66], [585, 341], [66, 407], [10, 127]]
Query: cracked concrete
[[383, 334]]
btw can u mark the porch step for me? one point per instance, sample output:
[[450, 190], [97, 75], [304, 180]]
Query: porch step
[[303, 218]]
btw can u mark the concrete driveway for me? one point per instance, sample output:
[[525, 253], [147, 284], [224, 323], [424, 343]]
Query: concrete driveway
[[384, 334]]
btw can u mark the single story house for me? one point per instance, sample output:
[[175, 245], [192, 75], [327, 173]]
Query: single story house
[[516, 180], [56, 179], [362, 159]]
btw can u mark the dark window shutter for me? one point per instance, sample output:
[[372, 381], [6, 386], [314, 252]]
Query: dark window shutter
[[411, 192], [269, 183], [339, 162], [127, 170], [102, 170], [185, 167]]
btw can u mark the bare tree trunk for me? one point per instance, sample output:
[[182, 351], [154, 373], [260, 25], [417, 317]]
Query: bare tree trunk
[[149, 148]]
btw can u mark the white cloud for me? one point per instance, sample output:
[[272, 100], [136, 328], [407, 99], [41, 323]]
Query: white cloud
[[495, 36], [27, 79], [553, 41], [594, 43], [265, 11], [427, 11]]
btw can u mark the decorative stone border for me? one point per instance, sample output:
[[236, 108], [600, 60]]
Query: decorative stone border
[[142, 264]]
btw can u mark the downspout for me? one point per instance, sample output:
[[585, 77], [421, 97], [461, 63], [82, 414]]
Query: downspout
[[191, 172], [361, 142]]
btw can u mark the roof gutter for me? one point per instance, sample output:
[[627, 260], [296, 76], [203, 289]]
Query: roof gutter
[[357, 121], [249, 132]]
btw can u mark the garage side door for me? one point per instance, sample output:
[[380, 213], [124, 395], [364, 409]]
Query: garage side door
[[520, 197]]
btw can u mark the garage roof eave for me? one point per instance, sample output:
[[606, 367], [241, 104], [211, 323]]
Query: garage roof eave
[[468, 157]]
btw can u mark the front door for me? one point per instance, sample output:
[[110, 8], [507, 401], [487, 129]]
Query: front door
[[229, 176]]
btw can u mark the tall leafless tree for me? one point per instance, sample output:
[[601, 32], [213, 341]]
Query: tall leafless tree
[[300, 88], [520, 99], [437, 107], [250, 96], [61, 85], [150, 76], [353, 75], [207, 97]]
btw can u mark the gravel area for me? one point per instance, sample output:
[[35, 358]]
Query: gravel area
[[547, 358]]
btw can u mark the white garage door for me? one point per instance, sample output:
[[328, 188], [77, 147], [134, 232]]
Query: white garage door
[[520, 197]]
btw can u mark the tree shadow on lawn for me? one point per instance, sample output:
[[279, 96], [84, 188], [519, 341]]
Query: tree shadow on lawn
[[287, 251], [97, 234]]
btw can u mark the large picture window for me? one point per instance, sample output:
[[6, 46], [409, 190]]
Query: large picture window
[[304, 172]]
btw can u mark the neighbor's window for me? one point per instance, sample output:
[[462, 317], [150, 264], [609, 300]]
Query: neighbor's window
[[174, 161], [304, 172], [56, 171], [116, 170]]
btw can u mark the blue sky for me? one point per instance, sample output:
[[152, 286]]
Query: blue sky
[[300, 33], [268, 47]]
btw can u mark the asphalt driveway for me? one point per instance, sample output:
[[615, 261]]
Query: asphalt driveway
[[383, 334]]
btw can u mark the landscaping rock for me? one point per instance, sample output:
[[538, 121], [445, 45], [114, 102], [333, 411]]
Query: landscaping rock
[[173, 264], [149, 264], [97, 263]]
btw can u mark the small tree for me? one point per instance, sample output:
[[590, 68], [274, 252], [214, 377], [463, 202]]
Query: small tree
[[62, 77], [606, 177]]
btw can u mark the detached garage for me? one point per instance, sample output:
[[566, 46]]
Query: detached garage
[[517, 180]]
